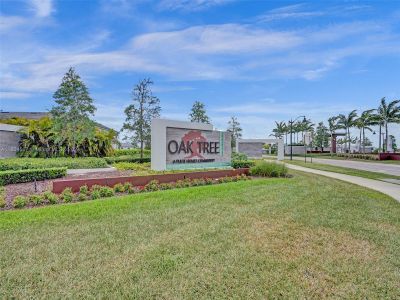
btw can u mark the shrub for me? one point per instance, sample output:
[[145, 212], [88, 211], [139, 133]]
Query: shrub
[[19, 176], [209, 181], [36, 199], [152, 186], [19, 201], [132, 166], [45, 163], [96, 187], [106, 191], [127, 186], [96, 194], [119, 188], [67, 195], [2, 197], [237, 164], [269, 169], [84, 190], [131, 159], [166, 186], [82, 197], [131, 152], [51, 197]]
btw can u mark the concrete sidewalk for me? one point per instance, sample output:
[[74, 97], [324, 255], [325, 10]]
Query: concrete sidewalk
[[87, 171], [391, 169], [393, 190]]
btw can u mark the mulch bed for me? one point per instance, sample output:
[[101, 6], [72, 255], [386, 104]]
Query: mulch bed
[[29, 188]]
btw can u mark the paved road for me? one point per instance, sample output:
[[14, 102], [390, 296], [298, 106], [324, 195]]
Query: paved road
[[390, 189], [391, 169]]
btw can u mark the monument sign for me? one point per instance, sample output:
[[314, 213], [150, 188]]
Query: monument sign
[[186, 145]]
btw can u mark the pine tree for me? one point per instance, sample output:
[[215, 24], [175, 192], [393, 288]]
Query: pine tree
[[139, 114], [235, 129], [321, 138], [72, 112], [198, 113]]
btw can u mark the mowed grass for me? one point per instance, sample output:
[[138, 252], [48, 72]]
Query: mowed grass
[[342, 170], [302, 237]]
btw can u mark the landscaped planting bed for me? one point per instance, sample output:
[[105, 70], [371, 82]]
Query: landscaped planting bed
[[75, 184], [98, 191], [40, 163]]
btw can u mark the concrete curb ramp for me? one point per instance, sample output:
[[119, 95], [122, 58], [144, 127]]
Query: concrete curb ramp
[[393, 190]]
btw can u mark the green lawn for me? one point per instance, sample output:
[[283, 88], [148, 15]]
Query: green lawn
[[328, 156], [301, 237], [342, 170]]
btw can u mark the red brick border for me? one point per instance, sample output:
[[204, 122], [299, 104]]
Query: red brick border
[[75, 184]]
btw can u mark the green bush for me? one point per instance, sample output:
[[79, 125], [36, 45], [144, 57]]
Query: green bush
[[237, 164], [2, 197], [126, 158], [84, 190], [95, 187], [67, 195], [358, 156], [96, 194], [130, 152], [269, 169], [36, 199], [152, 186], [240, 160], [82, 197], [50, 197], [166, 186], [43, 163], [119, 188], [18, 176], [132, 166], [127, 186], [106, 191], [19, 201]]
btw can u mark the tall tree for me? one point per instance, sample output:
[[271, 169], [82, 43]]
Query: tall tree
[[386, 114], [145, 107], [235, 129], [347, 122], [365, 120], [72, 113], [321, 138], [279, 130], [198, 113], [332, 127]]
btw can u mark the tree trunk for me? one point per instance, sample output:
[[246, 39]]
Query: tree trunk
[[141, 148], [387, 136], [363, 140], [359, 146], [380, 137]]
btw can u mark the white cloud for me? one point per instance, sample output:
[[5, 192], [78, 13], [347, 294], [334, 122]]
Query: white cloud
[[13, 95], [190, 5], [42, 8], [10, 22]]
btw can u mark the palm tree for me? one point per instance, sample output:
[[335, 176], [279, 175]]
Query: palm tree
[[279, 130], [332, 126], [363, 122], [386, 114], [347, 122]]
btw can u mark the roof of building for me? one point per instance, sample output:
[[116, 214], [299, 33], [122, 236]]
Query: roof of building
[[35, 116]]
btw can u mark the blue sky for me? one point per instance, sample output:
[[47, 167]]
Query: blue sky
[[258, 60]]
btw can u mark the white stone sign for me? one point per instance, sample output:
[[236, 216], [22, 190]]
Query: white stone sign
[[186, 145]]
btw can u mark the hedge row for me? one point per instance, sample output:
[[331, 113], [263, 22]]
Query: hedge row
[[126, 158], [269, 169], [97, 191], [131, 152], [19, 176], [2, 197], [41, 163]]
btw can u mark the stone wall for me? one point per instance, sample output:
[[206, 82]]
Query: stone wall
[[8, 143], [251, 149]]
